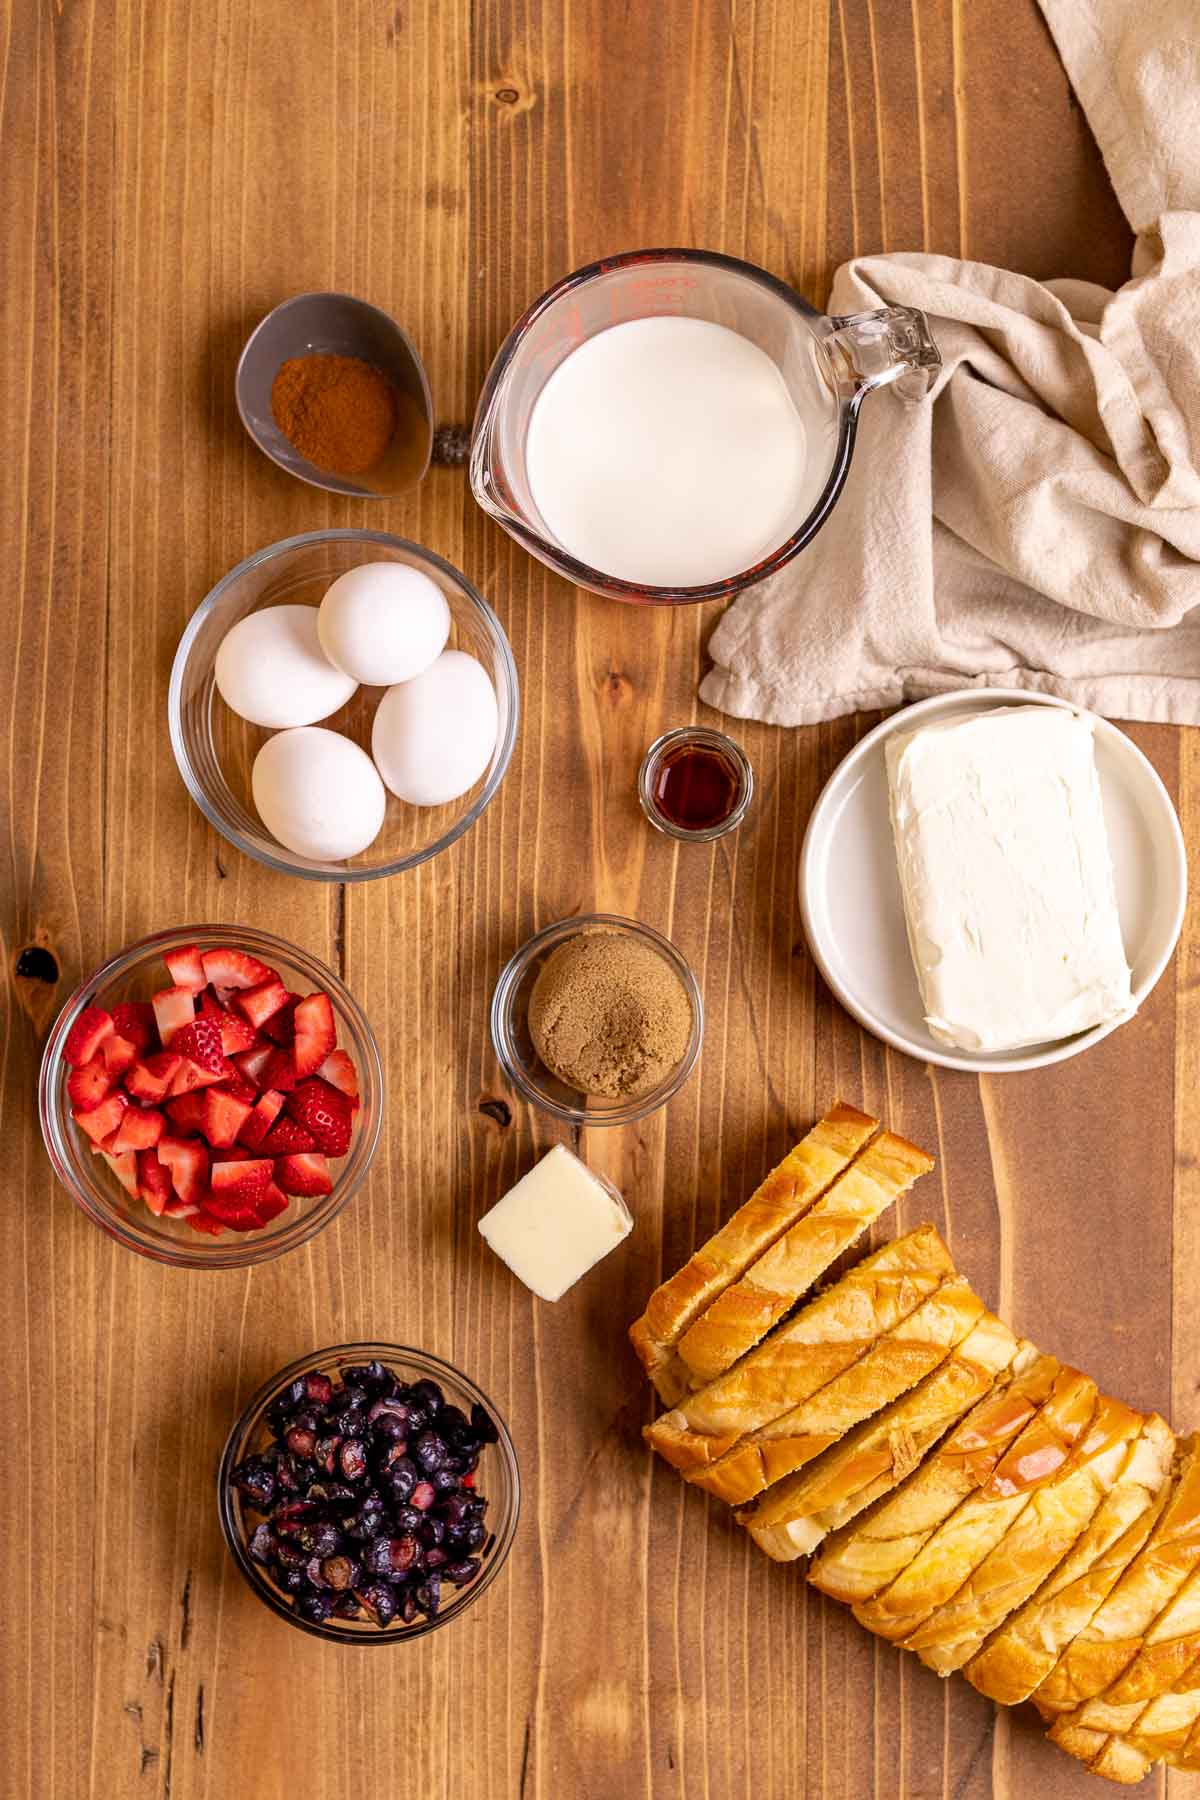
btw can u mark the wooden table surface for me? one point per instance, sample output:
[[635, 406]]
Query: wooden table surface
[[169, 173]]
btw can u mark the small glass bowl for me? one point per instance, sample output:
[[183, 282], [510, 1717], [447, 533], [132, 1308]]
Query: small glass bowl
[[215, 750], [499, 1480], [136, 974], [701, 737], [513, 1044]]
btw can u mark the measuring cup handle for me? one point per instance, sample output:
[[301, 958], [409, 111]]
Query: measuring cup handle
[[871, 349]]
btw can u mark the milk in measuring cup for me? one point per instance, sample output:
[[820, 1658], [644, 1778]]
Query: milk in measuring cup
[[667, 452]]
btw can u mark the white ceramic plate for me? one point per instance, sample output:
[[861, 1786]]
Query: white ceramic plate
[[850, 890]]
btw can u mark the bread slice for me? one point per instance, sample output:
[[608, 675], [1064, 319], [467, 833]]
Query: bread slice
[[741, 1316], [821, 1340], [957, 1547], [792, 1517], [1059, 1511], [1100, 1653], [861, 1560], [896, 1363], [1130, 1706], [1027, 1646], [1161, 1729], [786, 1194]]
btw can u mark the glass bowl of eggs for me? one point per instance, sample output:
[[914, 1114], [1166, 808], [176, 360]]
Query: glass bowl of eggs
[[343, 705]]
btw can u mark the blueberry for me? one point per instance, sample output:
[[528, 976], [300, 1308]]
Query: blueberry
[[476, 1534], [428, 1595], [444, 1481], [380, 1600], [301, 1441], [352, 1459], [407, 1518], [340, 1573], [483, 1426], [261, 1546], [346, 1606], [429, 1451], [389, 1419], [318, 1389], [294, 1581], [462, 1572], [315, 1606], [255, 1480], [377, 1557], [455, 1511], [432, 1531], [401, 1479]]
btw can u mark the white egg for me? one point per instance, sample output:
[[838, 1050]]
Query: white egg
[[433, 736], [318, 793], [384, 622], [272, 670]]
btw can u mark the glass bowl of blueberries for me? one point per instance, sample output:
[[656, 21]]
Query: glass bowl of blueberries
[[369, 1492]]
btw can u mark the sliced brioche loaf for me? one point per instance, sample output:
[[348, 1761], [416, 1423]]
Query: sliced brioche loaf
[[786, 1194]]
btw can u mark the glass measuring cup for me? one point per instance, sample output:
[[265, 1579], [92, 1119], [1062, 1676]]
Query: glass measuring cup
[[828, 365]]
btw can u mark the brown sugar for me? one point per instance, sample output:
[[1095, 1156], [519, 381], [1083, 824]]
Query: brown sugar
[[609, 1015], [337, 411]]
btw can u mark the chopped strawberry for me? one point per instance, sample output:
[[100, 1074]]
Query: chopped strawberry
[[316, 1033], [224, 1116], [190, 1075], [235, 1154], [261, 1003], [273, 1202], [279, 1071], [119, 1053], [236, 1192], [124, 1167], [281, 1026], [140, 1128], [287, 1139], [324, 1113], [188, 1162], [266, 1111], [200, 1042], [339, 1071], [180, 1209], [200, 1221], [154, 1181], [251, 1063], [100, 1122], [185, 967], [234, 969], [235, 1083], [174, 1008], [305, 1175], [86, 1035], [90, 1082], [150, 1080], [237, 1033], [134, 1019], [186, 1112]]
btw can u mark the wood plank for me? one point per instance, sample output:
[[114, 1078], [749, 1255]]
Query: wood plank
[[174, 172]]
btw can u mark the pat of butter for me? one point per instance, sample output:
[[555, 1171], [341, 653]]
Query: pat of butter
[[556, 1224], [1007, 878]]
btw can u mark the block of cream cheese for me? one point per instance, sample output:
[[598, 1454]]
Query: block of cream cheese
[[1007, 877], [556, 1224]]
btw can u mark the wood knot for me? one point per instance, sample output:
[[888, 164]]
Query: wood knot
[[498, 1110], [617, 689], [36, 975], [36, 963], [513, 95], [507, 96]]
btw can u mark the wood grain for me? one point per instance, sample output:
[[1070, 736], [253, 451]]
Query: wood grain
[[169, 173]]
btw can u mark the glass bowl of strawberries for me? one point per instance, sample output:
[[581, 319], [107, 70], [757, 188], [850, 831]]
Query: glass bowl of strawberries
[[212, 1096]]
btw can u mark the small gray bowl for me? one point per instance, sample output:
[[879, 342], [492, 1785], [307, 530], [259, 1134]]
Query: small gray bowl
[[338, 325]]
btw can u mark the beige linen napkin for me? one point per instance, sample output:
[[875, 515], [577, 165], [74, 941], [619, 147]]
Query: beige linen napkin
[[1036, 522]]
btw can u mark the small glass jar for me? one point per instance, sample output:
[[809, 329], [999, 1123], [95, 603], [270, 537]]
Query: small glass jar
[[721, 785]]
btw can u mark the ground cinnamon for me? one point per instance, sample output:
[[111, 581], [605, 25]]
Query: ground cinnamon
[[337, 411]]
